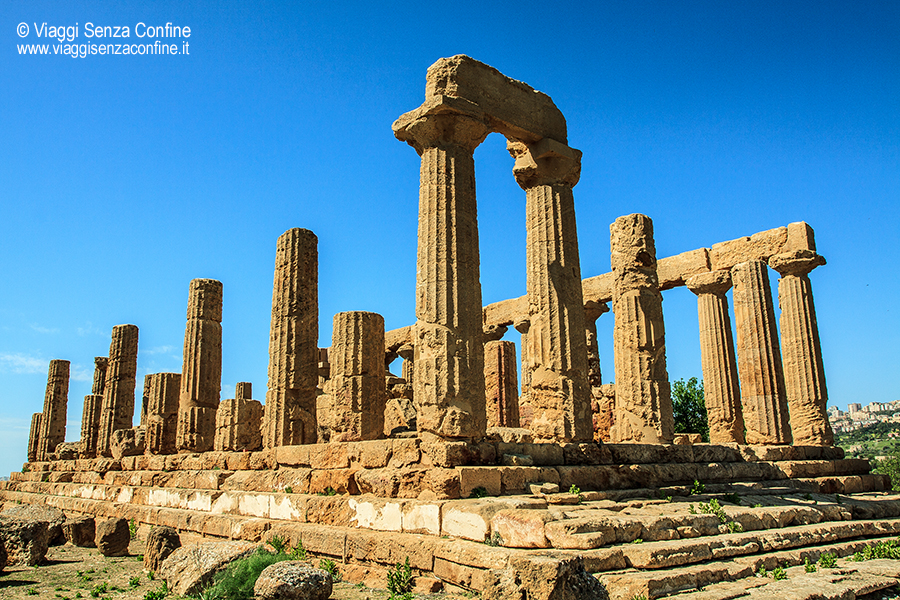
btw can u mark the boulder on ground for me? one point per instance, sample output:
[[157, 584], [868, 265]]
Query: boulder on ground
[[544, 578], [189, 568], [25, 540], [112, 537], [127, 442], [33, 512], [293, 580], [80, 531], [161, 542]]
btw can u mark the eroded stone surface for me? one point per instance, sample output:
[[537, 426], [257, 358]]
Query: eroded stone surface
[[112, 537], [238, 425], [162, 412], [90, 424], [500, 384], [293, 580], [53, 423]]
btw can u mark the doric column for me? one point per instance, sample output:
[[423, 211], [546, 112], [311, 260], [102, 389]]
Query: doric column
[[759, 360], [720, 378], [100, 365], [643, 404], [525, 411], [162, 412], [592, 312], [243, 390], [357, 383], [56, 398], [501, 386], [406, 352], [201, 372], [90, 424], [448, 382], [804, 372], [290, 413], [34, 438], [118, 391], [238, 422], [145, 398], [559, 393]]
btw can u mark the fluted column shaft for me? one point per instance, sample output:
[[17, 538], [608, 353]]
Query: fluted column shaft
[[643, 403], [201, 372], [34, 438], [162, 412], [559, 393], [90, 424], [721, 390], [290, 411], [804, 371], [759, 358], [448, 380], [500, 384], [118, 392], [357, 383], [56, 398]]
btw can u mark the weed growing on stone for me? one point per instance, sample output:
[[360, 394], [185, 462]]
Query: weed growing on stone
[[399, 581], [100, 588], [733, 498], [31, 591], [778, 574], [762, 571], [638, 597], [134, 581], [25, 470], [827, 560], [691, 509], [288, 490], [151, 575], [329, 491], [810, 567], [495, 540], [132, 529], [636, 541], [298, 552], [757, 505], [329, 566], [479, 492], [734, 527], [278, 543], [887, 549], [698, 488]]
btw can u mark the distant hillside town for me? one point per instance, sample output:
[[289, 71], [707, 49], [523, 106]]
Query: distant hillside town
[[858, 416]]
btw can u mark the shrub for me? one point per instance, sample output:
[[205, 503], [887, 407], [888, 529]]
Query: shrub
[[810, 567], [278, 543], [698, 488], [479, 492], [329, 566], [237, 580], [132, 529], [399, 579], [827, 560], [778, 574]]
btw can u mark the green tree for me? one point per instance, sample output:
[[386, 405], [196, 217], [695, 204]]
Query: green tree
[[690, 407]]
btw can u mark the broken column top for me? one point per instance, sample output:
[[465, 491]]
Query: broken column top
[[463, 85], [205, 300], [633, 256]]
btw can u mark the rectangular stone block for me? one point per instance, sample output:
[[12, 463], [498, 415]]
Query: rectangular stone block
[[404, 452], [421, 517], [372, 454], [293, 456], [544, 454], [471, 478], [329, 456]]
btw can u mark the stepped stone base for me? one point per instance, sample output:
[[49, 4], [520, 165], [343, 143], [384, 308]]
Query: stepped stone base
[[633, 524]]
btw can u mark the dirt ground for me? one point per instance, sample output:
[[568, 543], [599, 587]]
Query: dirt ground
[[72, 572]]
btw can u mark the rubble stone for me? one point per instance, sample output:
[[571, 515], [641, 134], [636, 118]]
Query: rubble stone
[[161, 542], [293, 580], [112, 537], [80, 531]]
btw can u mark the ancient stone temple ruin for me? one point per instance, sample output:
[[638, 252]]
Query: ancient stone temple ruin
[[533, 454]]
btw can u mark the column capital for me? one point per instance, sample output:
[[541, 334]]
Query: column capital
[[439, 126], [492, 333], [101, 362], [798, 262], [593, 310], [711, 282], [546, 162]]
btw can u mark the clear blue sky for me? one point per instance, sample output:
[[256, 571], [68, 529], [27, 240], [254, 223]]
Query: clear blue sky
[[124, 177]]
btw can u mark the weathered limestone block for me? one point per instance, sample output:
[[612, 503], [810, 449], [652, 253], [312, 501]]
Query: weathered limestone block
[[643, 406], [101, 363], [128, 442], [559, 392], [112, 537], [190, 568], [448, 381], [80, 531], [53, 423], [290, 412], [35, 512], [357, 383], [201, 373], [66, 451], [24, 540], [162, 412], [804, 371], [238, 425], [720, 377], [34, 438], [500, 384], [161, 542], [118, 392], [759, 360], [90, 424]]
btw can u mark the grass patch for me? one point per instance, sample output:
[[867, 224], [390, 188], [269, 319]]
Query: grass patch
[[236, 582]]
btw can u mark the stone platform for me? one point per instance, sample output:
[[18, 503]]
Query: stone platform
[[635, 524]]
